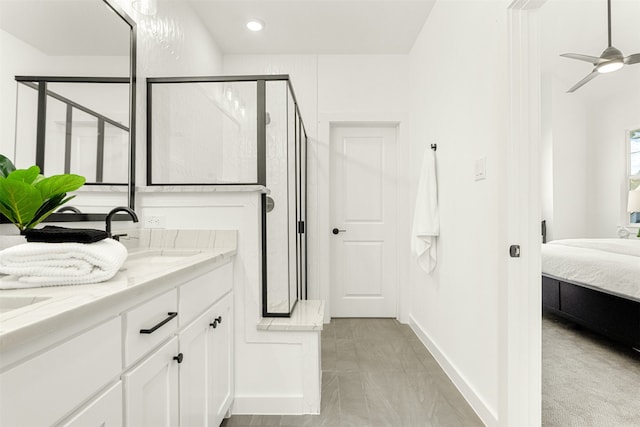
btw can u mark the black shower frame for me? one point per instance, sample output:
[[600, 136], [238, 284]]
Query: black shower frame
[[261, 168]]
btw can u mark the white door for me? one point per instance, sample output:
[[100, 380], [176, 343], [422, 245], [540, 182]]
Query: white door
[[363, 214]]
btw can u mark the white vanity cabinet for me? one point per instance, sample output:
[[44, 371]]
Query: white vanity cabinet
[[206, 373], [190, 376], [45, 387], [161, 358], [104, 411]]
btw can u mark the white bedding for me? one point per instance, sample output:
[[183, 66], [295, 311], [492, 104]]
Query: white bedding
[[609, 264]]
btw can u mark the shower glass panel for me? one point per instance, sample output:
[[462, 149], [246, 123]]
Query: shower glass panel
[[278, 263], [239, 130], [203, 133]]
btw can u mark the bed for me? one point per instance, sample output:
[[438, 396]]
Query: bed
[[595, 283]]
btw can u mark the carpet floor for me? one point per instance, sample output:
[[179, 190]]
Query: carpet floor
[[587, 380]]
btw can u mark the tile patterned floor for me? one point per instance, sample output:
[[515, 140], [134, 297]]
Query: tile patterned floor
[[377, 373]]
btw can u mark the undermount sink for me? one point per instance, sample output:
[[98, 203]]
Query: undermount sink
[[9, 303], [156, 257]]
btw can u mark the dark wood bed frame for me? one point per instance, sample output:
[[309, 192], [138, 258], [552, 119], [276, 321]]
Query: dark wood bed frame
[[611, 315]]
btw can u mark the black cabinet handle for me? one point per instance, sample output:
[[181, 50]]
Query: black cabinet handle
[[159, 325], [178, 358], [216, 322]]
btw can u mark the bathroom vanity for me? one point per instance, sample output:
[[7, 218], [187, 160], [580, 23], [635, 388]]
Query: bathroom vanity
[[153, 346]]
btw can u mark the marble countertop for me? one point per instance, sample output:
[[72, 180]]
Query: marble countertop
[[56, 306], [307, 316]]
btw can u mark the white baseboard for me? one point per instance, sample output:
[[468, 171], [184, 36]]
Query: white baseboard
[[485, 413], [267, 405]]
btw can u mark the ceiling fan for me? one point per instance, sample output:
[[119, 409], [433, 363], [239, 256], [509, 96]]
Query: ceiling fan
[[610, 60]]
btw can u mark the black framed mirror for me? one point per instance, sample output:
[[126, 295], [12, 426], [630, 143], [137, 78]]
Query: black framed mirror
[[69, 69]]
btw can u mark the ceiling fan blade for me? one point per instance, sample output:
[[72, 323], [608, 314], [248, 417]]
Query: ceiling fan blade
[[632, 59], [592, 59], [584, 81]]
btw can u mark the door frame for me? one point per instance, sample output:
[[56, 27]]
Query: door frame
[[325, 123], [520, 295]]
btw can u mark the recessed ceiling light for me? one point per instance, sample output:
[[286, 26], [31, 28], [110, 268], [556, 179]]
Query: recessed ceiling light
[[255, 25]]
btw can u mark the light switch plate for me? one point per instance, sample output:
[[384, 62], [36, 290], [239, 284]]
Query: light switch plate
[[480, 171]]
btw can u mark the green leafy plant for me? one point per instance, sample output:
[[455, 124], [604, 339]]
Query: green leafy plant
[[27, 197]]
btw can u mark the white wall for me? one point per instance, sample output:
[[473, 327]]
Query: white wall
[[583, 157], [566, 147], [583, 161], [608, 123], [188, 50], [458, 80]]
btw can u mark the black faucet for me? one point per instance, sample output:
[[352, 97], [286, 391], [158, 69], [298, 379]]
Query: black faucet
[[69, 209], [110, 215]]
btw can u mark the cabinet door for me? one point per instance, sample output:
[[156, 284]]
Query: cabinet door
[[104, 411], [221, 361], [195, 371], [59, 380], [151, 389]]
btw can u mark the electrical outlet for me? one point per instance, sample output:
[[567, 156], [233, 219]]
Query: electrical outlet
[[480, 171], [155, 221]]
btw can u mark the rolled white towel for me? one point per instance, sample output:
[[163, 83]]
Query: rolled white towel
[[54, 264]]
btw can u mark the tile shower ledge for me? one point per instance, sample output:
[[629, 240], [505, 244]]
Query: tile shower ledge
[[67, 305], [307, 316]]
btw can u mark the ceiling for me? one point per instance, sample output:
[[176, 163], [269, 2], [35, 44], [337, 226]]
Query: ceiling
[[580, 26], [315, 26], [66, 27]]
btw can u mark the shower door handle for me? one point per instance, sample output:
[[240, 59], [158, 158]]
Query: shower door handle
[[336, 231]]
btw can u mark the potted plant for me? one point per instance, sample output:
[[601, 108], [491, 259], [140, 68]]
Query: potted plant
[[27, 197]]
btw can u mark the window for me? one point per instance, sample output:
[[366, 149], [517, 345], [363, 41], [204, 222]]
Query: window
[[634, 168]]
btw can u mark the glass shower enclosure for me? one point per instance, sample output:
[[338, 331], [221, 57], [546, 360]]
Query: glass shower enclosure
[[239, 130]]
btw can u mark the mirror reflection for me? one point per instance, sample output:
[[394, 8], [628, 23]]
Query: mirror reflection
[[65, 92]]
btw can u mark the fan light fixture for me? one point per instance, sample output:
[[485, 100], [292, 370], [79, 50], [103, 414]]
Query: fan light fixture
[[255, 25], [610, 60], [609, 67]]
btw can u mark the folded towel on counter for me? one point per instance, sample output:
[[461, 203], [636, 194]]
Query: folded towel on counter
[[54, 264], [53, 234]]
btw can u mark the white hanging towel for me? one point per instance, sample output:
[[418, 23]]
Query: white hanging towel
[[426, 220]]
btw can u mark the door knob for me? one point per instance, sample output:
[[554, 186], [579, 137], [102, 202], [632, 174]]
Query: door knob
[[336, 231]]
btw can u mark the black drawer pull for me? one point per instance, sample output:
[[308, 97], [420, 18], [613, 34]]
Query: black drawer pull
[[178, 358], [159, 325], [216, 322]]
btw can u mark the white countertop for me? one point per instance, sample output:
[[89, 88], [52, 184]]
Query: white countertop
[[59, 306], [61, 302]]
